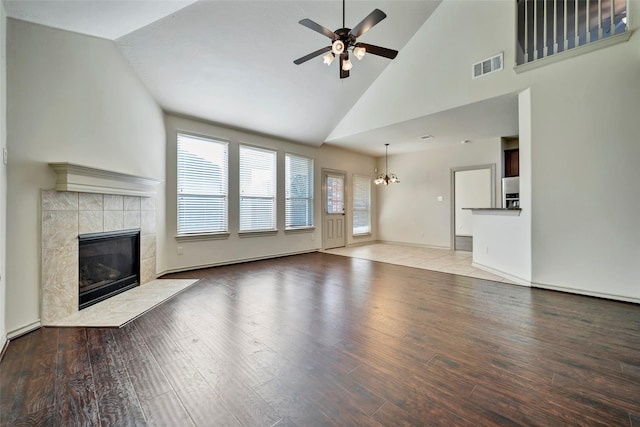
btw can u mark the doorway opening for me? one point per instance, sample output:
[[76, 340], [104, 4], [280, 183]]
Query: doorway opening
[[471, 187]]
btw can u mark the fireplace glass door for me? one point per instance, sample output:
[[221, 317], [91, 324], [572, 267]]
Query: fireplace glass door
[[109, 264]]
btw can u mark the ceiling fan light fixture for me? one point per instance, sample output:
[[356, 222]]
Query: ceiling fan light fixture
[[328, 58], [337, 47], [359, 52], [347, 64]]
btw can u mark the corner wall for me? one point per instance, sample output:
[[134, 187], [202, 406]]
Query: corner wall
[[3, 172], [71, 98]]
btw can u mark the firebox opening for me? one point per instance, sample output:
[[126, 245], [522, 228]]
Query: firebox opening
[[109, 264]]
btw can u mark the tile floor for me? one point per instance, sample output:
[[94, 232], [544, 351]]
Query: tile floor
[[454, 262], [124, 307]]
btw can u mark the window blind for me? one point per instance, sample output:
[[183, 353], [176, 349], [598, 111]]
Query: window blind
[[361, 205], [298, 191], [202, 185], [257, 189]]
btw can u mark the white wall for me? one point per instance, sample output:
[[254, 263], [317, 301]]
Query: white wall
[[409, 212], [3, 170], [473, 189], [585, 154], [71, 98], [584, 141], [234, 248], [502, 240]]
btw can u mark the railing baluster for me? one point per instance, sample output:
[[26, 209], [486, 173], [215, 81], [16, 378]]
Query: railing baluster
[[599, 19], [545, 49], [613, 19], [555, 26], [587, 28], [526, 32], [535, 30], [566, 31], [577, 38]]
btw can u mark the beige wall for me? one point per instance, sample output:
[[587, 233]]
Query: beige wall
[[234, 248], [409, 212], [71, 98]]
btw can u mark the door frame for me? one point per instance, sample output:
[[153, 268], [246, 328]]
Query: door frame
[[324, 173], [452, 174]]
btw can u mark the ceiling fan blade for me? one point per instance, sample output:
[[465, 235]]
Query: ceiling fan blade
[[377, 50], [319, 28], [372, 19], [312, 55], [343, 73]]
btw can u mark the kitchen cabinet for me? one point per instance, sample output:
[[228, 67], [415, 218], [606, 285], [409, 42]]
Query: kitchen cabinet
[[511, 163]]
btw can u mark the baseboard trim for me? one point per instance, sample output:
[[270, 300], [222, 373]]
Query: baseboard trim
[[24, 330], [4, 346], [413, 245], [515, 279], [586, 293], [238, 261]]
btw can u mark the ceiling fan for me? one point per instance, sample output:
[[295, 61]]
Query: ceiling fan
[[345, 39]]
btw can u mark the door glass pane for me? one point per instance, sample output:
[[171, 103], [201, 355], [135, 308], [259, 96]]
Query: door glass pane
[[335, 194]]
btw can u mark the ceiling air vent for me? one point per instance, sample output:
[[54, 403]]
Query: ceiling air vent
[[487, 66]]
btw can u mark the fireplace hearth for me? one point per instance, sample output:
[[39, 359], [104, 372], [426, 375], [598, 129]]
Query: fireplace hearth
[[109, 263]]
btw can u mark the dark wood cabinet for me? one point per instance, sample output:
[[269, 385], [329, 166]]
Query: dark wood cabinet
[[512, 162]]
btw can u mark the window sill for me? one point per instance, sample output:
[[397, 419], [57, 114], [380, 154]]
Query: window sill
[[573, 52], [201, 236], [257, 233], [296, 230], [361, 235]]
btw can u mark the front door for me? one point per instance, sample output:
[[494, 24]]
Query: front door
[[334, 215]]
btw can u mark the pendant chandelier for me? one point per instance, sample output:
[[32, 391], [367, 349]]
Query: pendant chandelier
[[386, 178]]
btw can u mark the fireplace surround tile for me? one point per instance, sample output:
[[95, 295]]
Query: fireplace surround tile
[[132, 203], [113, 202], [131, 219], [113, 220], [90, 222], [90, 202], [59, 201], [59, 228], [67, 214]]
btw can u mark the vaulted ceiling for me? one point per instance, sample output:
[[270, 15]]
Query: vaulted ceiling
[[231, 63]]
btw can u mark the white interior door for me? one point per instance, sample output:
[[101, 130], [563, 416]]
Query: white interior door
[[334, 214]]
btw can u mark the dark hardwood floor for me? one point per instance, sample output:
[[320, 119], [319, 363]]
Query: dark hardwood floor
[[319, 339]]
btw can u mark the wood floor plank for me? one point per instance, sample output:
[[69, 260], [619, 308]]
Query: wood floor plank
[[116, 398], [325, 340], [75, 389]]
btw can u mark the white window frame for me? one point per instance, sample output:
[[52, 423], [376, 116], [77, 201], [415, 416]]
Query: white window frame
[[361, 182], [290, 199], [264, 189], [219, 190]]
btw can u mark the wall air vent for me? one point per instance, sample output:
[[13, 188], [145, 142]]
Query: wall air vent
[[487, 66]]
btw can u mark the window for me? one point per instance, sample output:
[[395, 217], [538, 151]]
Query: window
[[361, 205], [298, 191], [257, 189], [202, 185]]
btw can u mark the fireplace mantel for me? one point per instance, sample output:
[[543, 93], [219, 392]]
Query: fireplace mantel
[[84, 179]]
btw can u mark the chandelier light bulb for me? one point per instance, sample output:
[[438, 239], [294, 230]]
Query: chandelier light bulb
[[347, 64], [328, 58], [337, 47], [359, 52]]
